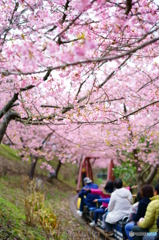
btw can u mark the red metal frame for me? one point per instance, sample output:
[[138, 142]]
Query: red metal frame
[[110, 172], [85, 170]]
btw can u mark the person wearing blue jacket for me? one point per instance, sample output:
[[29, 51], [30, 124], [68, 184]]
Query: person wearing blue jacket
[[88, 200]]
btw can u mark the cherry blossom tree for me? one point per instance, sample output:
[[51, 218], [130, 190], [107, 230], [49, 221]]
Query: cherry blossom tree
[[87, 71]]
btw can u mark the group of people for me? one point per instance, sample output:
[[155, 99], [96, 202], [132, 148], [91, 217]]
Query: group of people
[[118, 201]]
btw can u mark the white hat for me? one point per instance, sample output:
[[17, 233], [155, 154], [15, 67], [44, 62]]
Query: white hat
[[87, 180]]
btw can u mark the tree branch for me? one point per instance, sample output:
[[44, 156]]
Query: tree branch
[[65, 8], [39, 121], [10, 139], [10, 115], [8, 105], [82, 106], [15, 9], [151, 175], [93, 60], [128, 6], [144, 171]]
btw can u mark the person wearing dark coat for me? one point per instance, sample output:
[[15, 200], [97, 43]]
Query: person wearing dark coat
[[146, 194], [141, 209]]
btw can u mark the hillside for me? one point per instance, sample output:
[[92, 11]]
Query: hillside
[[14, 189]]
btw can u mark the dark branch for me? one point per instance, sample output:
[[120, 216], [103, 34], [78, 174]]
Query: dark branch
[[49, 106], [151, 175], [145, 170], [128, 6], [10, 115], [27, 88], [8, 106], [10, 139], [81, 84], [47, 74], [83, 106], [15, 9], [66, 109], [66, 7]]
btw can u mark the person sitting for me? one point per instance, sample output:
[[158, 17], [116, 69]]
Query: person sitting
[[148, 224], [146, 193], [88, 200], [105, 193], [135, 206], [153, 235], [157, 234], [119, 205]]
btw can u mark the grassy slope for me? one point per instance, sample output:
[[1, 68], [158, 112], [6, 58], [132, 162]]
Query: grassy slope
[[13, 190], [13, 185], [12, 217], [8, 152]]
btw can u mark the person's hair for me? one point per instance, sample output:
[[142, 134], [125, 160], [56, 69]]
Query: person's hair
[[118, 183], [147, 191], [109, 186], [157, 188]]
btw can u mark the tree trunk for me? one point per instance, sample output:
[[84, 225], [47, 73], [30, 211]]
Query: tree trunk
[[58, 168], [33, 165], [140, 181], [10, 115]]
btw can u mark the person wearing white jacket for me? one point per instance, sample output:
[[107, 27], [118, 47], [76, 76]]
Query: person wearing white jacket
[[119, 205]]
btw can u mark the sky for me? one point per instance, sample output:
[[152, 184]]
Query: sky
[[156, 1]]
